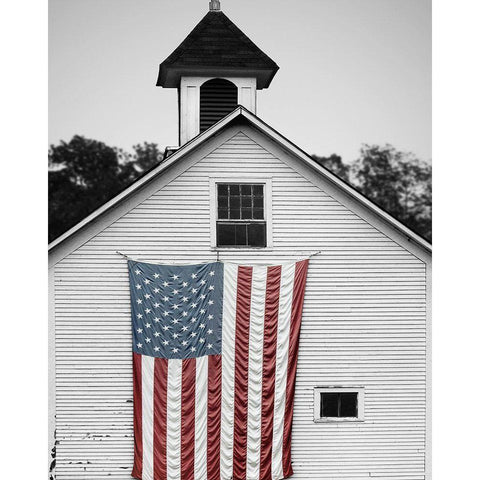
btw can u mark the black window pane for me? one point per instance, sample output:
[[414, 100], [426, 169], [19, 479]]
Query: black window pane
[[225, 234], [235, 214], [223, 190], [222, 202], [223, 213], [258, 202], [241, 235], [348, 404], [234, 202], [246, 202], [246, 213], [256, 235], [246, 189], [329, 405], [258, 213], [234, 189], [258, 190]]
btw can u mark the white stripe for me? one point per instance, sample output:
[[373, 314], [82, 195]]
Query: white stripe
[[230, 273], [255, 371], [201, 402], [174, 416], [283, 336], [148, 365]]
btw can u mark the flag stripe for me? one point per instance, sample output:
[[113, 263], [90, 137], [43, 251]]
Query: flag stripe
[[201, 396], [174, 402], [160, 419], [297, 306], [214, 415], [244, 286], [228, 369], [255, 364], [269, 364], [137, 415], [147, 416], [188, 418]]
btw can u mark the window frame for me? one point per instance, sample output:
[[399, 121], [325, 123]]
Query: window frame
[[317, 393], [267, 210]]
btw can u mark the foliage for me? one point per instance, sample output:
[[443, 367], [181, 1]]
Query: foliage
[[396, 181], [84, 174]]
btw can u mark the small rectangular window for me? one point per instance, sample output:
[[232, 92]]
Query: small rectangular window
[[241, 215], [338, 404]]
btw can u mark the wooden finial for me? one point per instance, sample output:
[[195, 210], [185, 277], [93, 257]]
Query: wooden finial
[[215, 5]]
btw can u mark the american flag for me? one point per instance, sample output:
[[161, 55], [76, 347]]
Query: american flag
[[214, 361]]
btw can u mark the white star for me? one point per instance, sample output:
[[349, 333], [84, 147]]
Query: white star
[[184, 343], [193, 305], [165, 342], [156, 320], [211, 287], [194, 275], [202, 340], [147, 295], [156, 290], [193, 349], [184, 329], [139, 330], [210, 317], [175, 335], [165, 299], [137, 271], [156, 275], [202, 325], [139, 315], [166, 314], [147, 340], [175, 277], [185, 299], [209, 345], [193, 320], [175, 320], [175, 350], [203, 282], [138, 286], [139, 301], [212, 273], [147, 281], [156, 305], [165, 284], [156, 349], [202, 310], [194, 290], [156, 334], [210, 331], [166, 327], [210, 302], [203, 296], [148, 325], [185, 284], [139, 345], [175, 292], [175, 307], [193, 334], [184, 314], [147, 310]]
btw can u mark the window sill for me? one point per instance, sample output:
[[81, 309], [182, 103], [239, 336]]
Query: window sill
[[338, 420], [241, 249]]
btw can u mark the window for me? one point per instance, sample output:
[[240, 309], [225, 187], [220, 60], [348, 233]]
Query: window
[[218, 97], [334, 404], [241, 215]]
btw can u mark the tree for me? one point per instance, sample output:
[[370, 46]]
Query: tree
[[335, 165], [84, 174]]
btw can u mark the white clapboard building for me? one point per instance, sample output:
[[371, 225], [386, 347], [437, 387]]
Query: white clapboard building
[[237, 190]]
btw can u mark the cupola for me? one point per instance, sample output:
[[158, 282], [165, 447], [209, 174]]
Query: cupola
[[215, 69]]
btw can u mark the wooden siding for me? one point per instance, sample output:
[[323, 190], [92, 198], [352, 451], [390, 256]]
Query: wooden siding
[[364, 323]]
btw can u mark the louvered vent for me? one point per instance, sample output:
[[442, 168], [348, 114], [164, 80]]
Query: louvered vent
[[217, 98]]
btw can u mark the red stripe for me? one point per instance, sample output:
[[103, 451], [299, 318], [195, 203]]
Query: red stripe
[[188, 418], [244, 289], [296, 316], [137, 416], [160, 419], [214, 416], [274, 275]]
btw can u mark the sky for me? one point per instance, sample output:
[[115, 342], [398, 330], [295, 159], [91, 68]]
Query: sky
[[351, 71]]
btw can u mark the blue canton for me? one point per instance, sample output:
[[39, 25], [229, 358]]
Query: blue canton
[[176, 310]]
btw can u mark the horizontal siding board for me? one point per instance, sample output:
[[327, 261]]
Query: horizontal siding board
[[364, 324]]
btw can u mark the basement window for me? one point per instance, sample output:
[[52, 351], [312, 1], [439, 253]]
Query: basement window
[[338, 404], [240, 218]]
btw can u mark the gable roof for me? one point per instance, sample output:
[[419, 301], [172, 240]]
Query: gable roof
[[242, 114], [216, 43]]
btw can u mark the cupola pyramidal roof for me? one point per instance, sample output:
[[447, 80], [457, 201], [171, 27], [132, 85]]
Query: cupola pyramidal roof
[[217, 47]]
